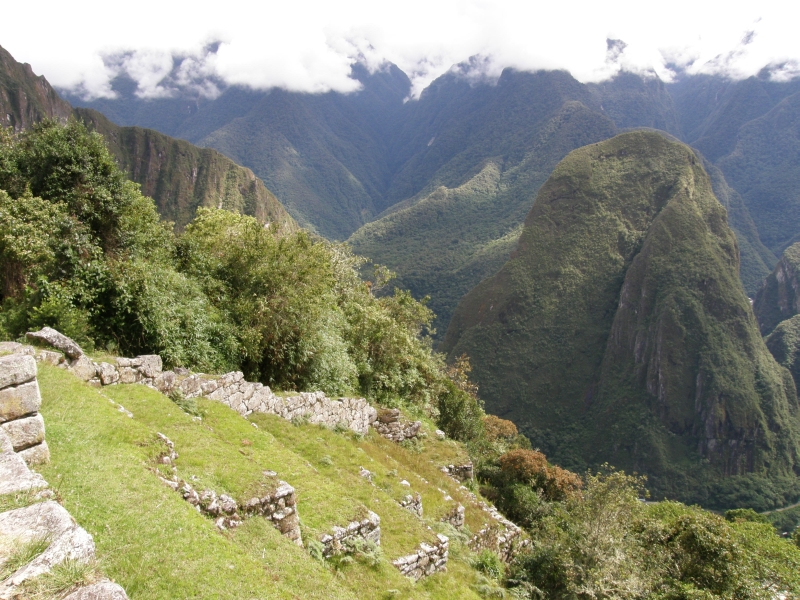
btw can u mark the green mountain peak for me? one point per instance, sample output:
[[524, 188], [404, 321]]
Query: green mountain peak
[[619, 331]]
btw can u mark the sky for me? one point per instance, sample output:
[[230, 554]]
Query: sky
[[309, 46]]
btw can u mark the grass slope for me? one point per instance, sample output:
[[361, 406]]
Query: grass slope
[[619, 332], [157, 546]]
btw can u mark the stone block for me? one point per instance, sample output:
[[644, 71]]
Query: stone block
[[36, 455], [150, 366], [128, 374], [49, 357], [104, 590], [18, 401], [57, 340], [10, 347], [165, 382], [107, 373], [45, 519], [83, 368], [16, 369], [25, 433]]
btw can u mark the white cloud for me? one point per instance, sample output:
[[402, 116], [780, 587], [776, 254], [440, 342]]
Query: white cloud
[[309, 45]]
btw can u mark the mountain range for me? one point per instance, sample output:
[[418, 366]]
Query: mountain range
[[437, 187]]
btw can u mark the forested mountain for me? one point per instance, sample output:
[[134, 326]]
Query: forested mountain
[[619, 332], [180, 177]]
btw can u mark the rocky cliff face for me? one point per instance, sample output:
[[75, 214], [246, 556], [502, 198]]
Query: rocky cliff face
[[619, 331], [181, 177], [25, 98], [779, 296]]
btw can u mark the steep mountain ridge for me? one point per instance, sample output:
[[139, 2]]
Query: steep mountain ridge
[[180, 177], [618, 330]]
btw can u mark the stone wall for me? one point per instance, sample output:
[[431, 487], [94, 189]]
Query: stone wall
[[246, 397], [231, 389], [278, 506], [20, 401], [43, 518], [339, 540], [391, 426], [501, 536], [425, 561]]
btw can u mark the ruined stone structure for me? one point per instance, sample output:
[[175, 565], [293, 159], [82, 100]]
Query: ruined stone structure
[[278, 506], [339, 540], [20, 401], [391, 426], [21, 440], [425, 561], [501, 536]]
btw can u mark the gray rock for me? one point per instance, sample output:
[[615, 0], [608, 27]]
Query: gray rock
[[49, 357], [108, 373], [6, 447], [18, 401], [104, 590], [150, 365], [25, 433], [129, 375], [57, 340], [10, 347], [36, 455], [16, 369], [15, 476], [165, 382], [83, 368], [45, 520]]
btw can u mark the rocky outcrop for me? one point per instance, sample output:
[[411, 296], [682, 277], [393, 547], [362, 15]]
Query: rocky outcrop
[[20, 400], [425, 561], [341, 539], [42, 521], [778, 298]]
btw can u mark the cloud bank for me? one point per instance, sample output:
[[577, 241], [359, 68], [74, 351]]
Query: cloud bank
[[309, 46]]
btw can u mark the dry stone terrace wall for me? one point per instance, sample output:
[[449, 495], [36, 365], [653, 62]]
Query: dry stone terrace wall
[[278, 505], [20, 401], [43, 518], [425, 561], [337, 542]]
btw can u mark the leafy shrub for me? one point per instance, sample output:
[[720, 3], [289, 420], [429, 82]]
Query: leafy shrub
[[499, 429], [489, 563]]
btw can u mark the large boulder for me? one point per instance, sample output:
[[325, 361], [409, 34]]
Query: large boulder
[[57, 340], [45, 520]]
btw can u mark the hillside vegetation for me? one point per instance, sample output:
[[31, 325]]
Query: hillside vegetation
[[619, 332], [83, 251], [180, 177]]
